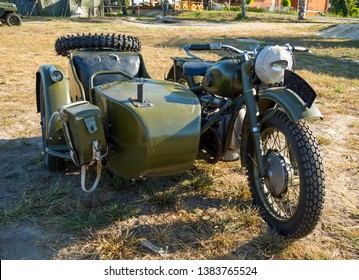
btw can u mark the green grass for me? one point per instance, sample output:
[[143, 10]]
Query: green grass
[[81, 218], [39, 200]]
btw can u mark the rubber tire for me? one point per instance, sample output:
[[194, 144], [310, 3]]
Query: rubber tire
[[64, 45], [51, 163], [13, 19], [311, 172]]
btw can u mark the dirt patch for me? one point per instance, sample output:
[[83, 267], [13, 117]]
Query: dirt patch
[[345, 31]]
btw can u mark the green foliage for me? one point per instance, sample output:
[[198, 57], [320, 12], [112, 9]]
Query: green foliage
[[344, 8], [233, 8], [286, 3], [81, 217], [354, 12], [256, 9]]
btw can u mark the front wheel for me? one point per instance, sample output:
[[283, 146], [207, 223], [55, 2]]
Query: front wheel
[[13, 19], [290, 196]]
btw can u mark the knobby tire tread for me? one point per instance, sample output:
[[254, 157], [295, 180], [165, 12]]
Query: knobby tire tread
[[312, 180], [102, 42]]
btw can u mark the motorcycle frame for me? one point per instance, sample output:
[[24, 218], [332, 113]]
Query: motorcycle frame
[[252, 111], [255, 103]]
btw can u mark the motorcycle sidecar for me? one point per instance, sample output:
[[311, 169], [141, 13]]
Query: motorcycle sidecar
[[145, 127]]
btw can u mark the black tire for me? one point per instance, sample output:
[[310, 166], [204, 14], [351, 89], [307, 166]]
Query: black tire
[[51, 163], [291, 196], [112, 42], [13, 19]]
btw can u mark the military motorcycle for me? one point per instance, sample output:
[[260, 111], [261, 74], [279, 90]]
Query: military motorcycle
[[253, 108], [245, 106]]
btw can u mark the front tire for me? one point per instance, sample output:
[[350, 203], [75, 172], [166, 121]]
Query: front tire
[[291, 195], [13, 19]]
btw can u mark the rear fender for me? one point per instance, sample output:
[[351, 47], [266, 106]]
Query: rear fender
[[289, 101], [55, 95]]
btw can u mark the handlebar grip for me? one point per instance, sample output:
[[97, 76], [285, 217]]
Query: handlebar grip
[[298, 49], [200, 47]]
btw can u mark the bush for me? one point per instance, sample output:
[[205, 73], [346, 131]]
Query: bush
[[256, 9], [233, 9], [354, 12], [286, 3], [343, 7]]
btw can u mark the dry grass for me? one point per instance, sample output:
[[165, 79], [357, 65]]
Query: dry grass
[[205, 213]]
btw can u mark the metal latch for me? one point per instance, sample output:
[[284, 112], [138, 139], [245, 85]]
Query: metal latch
[[91, 125]]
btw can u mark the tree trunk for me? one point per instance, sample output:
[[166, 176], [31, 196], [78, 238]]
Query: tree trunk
[[244, 12], [302, 9], [133, 7], [124, 10]]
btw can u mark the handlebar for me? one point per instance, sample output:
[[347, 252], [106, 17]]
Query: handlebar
[[297, 49], [203, 47], [218, 47], [209, 47]]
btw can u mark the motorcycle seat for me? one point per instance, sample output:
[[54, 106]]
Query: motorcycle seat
[[196, 68], [87, 63]]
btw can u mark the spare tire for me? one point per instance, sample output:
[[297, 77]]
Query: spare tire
[[101, 42]]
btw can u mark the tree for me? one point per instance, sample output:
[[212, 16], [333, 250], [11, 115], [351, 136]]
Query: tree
[[244, 4], [133, 7], [286, 3], [165, 7], [124, 8], [343, 7]]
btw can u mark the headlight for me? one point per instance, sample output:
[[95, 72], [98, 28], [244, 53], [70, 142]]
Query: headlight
[[271, 62], [56, 76]]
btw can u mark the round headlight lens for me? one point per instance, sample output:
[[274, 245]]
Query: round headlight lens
[[57, 76], [271, 62]]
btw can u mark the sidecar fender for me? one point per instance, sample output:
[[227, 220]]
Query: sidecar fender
[[289, 101], [54, 95]]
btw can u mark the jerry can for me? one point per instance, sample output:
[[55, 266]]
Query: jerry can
[[82, 125]]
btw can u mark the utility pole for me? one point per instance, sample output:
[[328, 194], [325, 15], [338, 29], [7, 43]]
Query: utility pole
[[302, 9], [244, 12]]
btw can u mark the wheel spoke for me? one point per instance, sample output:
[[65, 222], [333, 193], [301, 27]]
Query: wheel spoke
[[280, 193], [284, 205]]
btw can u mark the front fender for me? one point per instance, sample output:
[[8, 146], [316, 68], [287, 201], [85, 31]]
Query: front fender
[[53, 96], [289, 101]]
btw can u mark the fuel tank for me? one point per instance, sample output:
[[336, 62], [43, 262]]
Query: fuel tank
[[156, 136], [224, 78]]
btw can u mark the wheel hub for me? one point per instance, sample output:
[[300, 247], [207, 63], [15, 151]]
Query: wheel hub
[[279, 173]]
